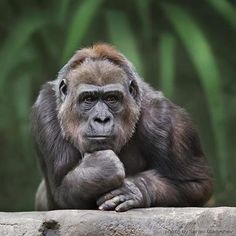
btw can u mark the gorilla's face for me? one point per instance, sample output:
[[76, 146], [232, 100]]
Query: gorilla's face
[[99, 110]]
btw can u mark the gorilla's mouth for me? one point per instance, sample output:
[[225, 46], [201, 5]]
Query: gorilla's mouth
[[99, 137]]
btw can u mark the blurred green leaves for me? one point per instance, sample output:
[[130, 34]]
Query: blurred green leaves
[[121, 35], [227, 10], [79, 25], [167, 63], [12, 49]]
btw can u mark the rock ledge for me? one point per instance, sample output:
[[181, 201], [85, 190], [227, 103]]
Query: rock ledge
[[152, 221]]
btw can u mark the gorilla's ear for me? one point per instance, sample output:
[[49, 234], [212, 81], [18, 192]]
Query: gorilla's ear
[[63, 89], [133, 88]]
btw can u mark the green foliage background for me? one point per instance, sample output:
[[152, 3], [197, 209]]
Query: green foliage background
[[185, 48]]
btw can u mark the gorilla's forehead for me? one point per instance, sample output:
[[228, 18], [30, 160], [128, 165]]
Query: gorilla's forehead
[[98, 72], [106, 88]]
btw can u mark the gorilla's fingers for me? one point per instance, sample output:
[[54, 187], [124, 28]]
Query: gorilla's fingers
[[112, 203], [125, 206], [108, 196]]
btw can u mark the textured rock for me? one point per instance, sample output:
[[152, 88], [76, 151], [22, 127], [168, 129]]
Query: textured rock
[[152, 221]]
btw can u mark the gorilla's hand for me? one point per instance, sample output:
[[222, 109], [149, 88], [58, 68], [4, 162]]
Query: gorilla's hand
[[102, 171], [122, 199]]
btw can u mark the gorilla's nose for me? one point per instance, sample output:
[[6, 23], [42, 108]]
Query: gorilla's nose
[[102, 120], [102, 124]]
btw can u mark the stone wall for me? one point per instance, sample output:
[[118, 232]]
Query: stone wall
[[152, 221]]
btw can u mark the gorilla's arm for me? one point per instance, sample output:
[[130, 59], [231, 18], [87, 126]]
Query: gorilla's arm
[[96, 174], [71, 181], [177, 174], [181, 176]]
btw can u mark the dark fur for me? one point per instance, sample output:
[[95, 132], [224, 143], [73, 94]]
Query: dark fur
[[162, 164]]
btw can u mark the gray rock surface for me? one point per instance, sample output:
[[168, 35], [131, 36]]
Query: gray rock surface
[[152, 221]]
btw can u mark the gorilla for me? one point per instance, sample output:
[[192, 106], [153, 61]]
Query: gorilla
[[107, 140]]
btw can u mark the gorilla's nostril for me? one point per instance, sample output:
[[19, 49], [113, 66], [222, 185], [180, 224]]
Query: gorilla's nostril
[[102, 120], [107, 119]]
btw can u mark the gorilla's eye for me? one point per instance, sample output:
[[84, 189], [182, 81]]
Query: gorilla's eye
[[88, 98], [63, 88], [112, 99]]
